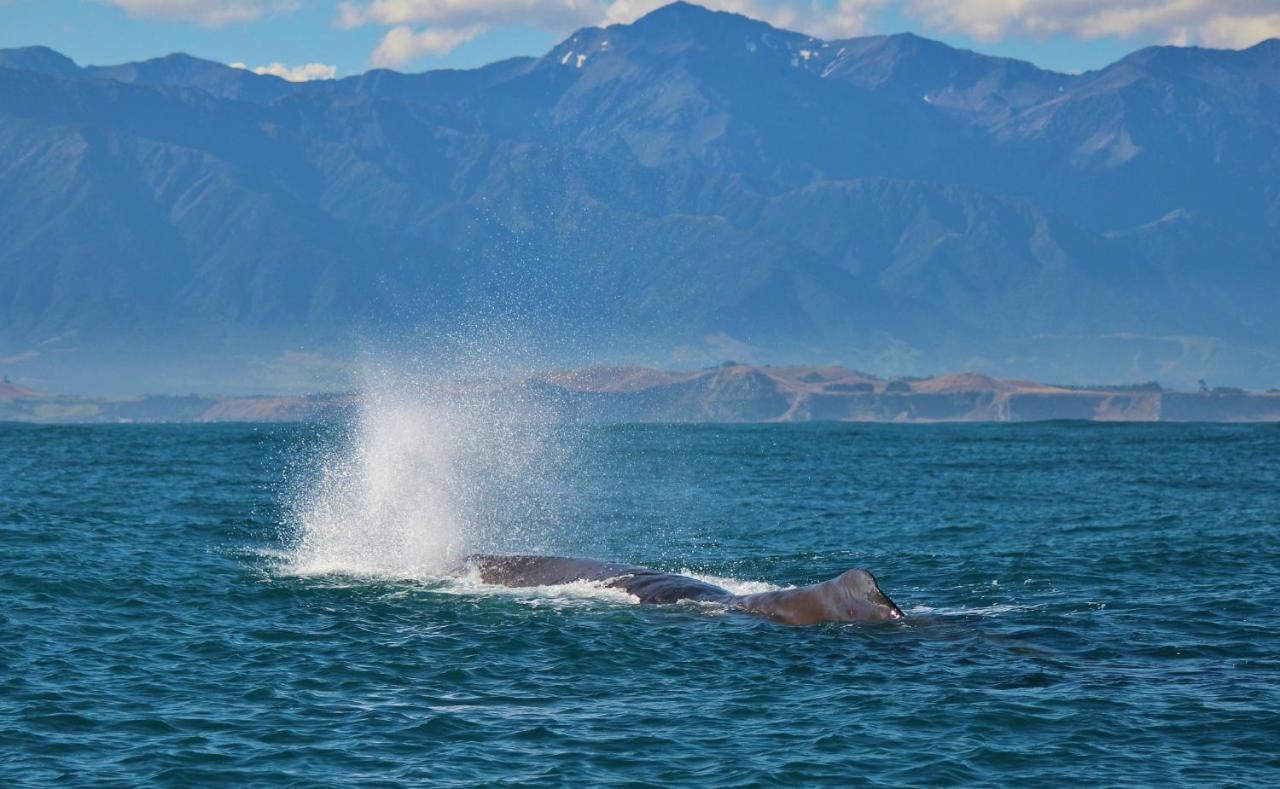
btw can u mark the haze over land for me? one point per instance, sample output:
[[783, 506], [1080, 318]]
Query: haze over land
[[727, 393], [691, 187]]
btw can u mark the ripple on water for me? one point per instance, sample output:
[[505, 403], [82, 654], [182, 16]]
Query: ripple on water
[[158, 629]]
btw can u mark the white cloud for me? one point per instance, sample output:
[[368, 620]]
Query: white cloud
[[842, 17], [449, 23], [435, 27], [1216, 23], [209, 13], [1239, 32], [304, 72], [350, 16], [1223, 23], [558, 15], [401, 45]]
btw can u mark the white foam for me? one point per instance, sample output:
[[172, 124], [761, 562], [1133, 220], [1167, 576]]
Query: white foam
[[470, 583], [988, 610], [734, 585]]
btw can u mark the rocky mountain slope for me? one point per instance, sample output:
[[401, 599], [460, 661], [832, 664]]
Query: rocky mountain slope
[[659, 191]]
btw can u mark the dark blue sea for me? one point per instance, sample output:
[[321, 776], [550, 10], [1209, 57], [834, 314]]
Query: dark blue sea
[[253, 604]]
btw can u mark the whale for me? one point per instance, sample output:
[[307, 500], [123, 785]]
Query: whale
[[852, 596]]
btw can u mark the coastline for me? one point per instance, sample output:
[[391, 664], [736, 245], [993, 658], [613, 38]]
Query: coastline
[[729, 393]]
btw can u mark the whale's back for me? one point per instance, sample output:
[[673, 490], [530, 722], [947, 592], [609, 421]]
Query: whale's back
[[649, 586], [521, 571], [851, 596]]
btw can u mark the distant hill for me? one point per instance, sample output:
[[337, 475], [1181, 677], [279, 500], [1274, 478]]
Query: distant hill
[[744, 393], [728, 393], [690, 186], [10, 391]]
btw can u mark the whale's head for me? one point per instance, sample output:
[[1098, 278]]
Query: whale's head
[[858, 596]]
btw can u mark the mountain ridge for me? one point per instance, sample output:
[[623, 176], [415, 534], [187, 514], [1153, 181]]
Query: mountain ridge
[[646, 192]]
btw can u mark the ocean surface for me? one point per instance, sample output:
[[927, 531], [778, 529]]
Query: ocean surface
[[250, 604]]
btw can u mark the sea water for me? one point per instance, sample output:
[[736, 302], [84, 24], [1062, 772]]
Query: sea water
[[243, 604]]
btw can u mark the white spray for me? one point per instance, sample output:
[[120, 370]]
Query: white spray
[[427, 473]]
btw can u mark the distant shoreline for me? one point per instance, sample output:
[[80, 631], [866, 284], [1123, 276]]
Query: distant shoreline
[[729, 393]]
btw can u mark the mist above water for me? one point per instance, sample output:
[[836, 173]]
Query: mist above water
[[431, 468]]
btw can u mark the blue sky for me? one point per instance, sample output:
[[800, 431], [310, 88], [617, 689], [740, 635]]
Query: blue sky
[[414, 35]]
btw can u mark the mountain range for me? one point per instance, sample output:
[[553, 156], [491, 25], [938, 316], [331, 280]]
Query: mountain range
[[693, 186]]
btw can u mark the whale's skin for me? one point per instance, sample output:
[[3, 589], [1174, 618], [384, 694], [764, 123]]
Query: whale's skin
[[853, 596]]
